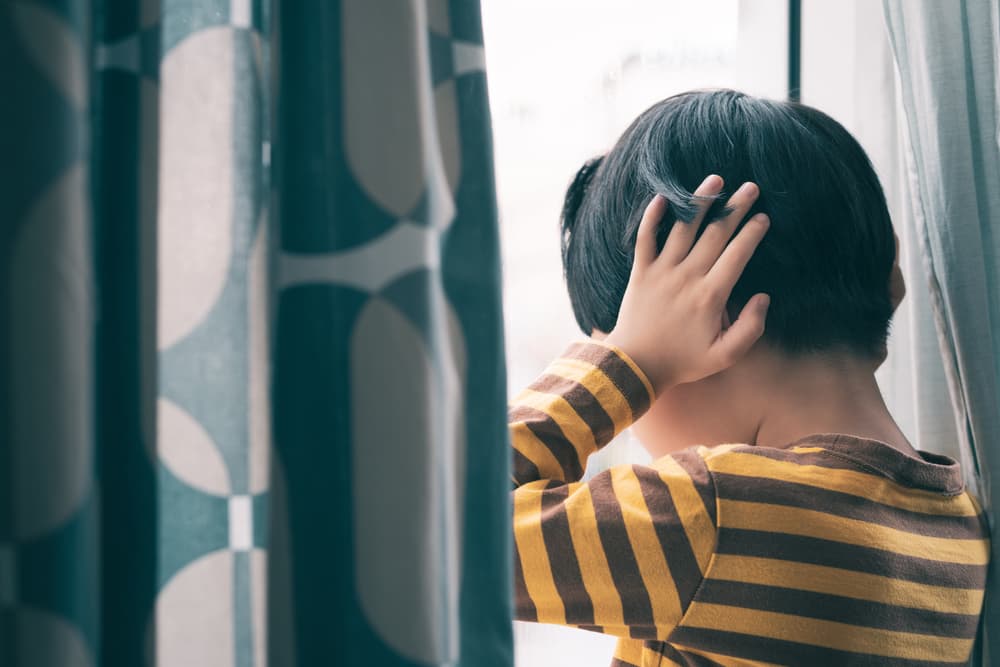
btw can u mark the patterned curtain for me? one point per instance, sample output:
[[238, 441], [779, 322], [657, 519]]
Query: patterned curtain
[[250, 414]]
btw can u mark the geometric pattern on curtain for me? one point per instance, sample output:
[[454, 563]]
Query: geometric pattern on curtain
[[948, 58], [139, 246], [158, 330], [212, 406], [391, 520], [46, 367], [49, 496]]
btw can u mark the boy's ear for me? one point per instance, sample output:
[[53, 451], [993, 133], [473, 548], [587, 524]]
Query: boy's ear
[[897, 286]]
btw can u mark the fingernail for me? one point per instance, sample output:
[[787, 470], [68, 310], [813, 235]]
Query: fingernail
[[713, 181], [749, 188], [765, 301], [763, 219]]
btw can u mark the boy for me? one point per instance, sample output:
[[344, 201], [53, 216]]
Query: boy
[[785, 518]]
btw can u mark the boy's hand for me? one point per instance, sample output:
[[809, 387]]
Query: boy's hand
[[671, 320]]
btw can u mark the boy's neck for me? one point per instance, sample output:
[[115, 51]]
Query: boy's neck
[[832, 393]]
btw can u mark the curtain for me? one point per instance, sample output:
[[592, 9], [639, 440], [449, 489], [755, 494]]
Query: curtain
[[252, 408], [947, 57]]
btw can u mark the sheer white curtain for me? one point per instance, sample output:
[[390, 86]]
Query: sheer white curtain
[[947, 56], [916, 82], [565, 79]]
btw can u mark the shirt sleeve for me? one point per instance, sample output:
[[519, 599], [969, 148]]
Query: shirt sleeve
[[623, 552]]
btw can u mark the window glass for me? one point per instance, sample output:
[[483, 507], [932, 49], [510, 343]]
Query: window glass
[[565, 79]]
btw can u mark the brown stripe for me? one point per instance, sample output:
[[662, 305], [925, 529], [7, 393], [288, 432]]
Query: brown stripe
[[524, 469], [781, 546], [618, 662], [637, 611], [753, 647], [582, 401], [562, 558], [837, 608], [792, 494], [524, 607], [551, 434], [617, 370], [671, 534], [592, 628], [642, 631], [692, 659], [665, 650], [695, 467]]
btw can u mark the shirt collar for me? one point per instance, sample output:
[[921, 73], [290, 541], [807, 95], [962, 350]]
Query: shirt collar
[[932, 472]]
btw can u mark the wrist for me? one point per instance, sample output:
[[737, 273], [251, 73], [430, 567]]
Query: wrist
[[657, 378]]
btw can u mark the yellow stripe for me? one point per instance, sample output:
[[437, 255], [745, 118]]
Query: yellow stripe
[[631, 364], [593, 561], [698, 525], [810, 523], [647, 548], [718, 450], [870, 487], [534, 558], [629, 650], [525, 441], [572, 425], [974, 502], [846, 583], [651, 658], [607, 393], [828, 634]]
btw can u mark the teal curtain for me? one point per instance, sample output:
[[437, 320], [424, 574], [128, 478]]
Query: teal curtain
[[947, 57], [252, 410], [390, 390]]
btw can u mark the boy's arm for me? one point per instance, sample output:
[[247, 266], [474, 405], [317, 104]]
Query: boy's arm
[[623, 552]]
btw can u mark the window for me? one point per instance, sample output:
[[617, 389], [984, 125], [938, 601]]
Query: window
[[565, 79]]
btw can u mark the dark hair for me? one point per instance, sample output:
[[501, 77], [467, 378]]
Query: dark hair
[[827, 256]]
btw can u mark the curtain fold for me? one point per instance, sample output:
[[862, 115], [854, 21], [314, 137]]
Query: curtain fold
[[243, 423], [124, 168], [49, 495], [948, 59], [389, 384]]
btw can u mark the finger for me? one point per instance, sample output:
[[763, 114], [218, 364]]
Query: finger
[[645, 239], [682, 234], [737, 340], [729, 267], [713, 240]]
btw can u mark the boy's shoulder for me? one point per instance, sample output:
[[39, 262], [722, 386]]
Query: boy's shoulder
[[840, 468], [823, 452]]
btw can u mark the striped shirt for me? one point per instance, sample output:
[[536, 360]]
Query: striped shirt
[[831, 550]]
